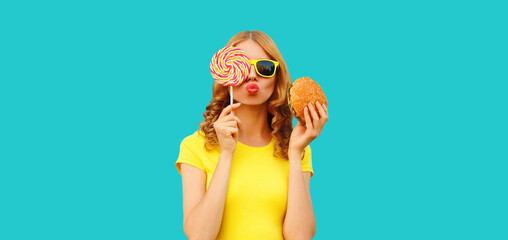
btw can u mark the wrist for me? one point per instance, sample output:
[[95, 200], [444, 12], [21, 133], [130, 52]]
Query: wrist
[[295, 154], [227, 154], [293, 149]]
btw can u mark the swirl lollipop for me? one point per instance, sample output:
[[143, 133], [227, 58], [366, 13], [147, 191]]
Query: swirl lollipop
[[230, 67]]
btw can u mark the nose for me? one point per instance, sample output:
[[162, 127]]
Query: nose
[[252, 73]]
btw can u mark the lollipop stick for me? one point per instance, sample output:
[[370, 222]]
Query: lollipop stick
[[231, 95]]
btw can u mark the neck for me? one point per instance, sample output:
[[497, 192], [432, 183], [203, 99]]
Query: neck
[[254, 130]]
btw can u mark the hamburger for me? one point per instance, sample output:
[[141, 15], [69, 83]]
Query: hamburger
[[301, 92]]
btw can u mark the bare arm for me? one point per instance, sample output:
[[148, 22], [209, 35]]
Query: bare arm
[[203, 210], [300, 222]]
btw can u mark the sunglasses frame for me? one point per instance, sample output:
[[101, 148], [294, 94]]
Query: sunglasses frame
[[254, 62]]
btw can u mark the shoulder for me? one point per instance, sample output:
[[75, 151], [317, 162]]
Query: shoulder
[[194, 143], [192, 151], [195, 139], [307, 148], [307, 161], [307, 151]]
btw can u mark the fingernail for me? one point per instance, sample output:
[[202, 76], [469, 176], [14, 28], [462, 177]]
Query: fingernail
[[317, 102]]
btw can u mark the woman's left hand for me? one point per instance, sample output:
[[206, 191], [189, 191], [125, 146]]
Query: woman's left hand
[[314, 123]]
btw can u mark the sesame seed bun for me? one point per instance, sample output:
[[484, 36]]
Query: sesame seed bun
[[301, 92]]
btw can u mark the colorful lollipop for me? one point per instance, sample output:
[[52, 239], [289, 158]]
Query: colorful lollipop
[[230, 67]]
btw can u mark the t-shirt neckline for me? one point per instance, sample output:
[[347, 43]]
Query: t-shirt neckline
[[256, 148]]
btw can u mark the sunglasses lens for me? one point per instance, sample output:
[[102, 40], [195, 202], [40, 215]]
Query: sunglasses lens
[[265, 68]]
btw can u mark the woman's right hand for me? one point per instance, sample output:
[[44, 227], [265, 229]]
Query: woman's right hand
[[226, 128]]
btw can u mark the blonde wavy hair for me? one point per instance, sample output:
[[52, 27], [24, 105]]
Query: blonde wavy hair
[[279, 119]]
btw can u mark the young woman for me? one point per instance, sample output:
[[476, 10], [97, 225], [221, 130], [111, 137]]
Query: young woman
[[246, 172]]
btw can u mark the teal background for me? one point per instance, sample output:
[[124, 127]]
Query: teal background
[[95, 97]]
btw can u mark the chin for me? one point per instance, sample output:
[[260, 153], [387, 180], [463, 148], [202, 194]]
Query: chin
[[253, 100], [253, 103]]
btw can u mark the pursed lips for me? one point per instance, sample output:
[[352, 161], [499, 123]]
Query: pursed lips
[[252, 88]]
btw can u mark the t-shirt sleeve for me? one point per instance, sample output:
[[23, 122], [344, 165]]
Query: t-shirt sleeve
[[307, 161], [189, 153]]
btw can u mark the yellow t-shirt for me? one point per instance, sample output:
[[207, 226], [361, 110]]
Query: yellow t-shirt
[[258, 187]]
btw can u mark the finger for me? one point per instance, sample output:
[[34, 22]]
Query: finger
[[308, 122], [323, 116], [233, 132], [228, 118], [228, 109], [235, 119], [222, 131], [299, 124], [235, 106], [230, 124], [238, 121], [326, 109], [315, 117], [227, 131], [232, 118], [320, 109], [232, 129]]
